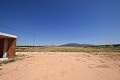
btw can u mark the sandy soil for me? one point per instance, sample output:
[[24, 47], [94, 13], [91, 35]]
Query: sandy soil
[[61, 66]]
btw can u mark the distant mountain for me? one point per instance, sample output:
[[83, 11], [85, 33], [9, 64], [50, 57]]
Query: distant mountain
[[75, 45]]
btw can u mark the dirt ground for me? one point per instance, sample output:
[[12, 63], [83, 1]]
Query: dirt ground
[[61, 66]]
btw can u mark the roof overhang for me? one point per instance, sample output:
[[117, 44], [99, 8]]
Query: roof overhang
[[5, 35]]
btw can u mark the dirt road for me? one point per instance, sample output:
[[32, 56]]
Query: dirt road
[[61, 66]]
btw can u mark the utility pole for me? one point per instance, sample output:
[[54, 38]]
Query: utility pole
[[34, 43]]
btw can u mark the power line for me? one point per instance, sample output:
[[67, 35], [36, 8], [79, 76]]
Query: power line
[[33, 34], [17, 30]]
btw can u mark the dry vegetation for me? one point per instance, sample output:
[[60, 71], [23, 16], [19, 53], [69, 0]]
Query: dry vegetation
[[16, 58], [108, 51], [69, 49]]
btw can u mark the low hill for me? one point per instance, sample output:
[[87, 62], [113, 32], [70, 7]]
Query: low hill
[[75, 45]]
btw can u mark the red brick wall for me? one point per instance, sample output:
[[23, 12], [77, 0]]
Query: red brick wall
[[1, 47], [11, 47]]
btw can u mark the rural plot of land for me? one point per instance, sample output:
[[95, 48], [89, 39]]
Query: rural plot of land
[[61, 66]]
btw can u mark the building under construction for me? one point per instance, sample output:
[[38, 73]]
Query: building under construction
[[7, 45]]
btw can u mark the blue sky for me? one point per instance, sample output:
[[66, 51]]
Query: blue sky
[[62, 21]]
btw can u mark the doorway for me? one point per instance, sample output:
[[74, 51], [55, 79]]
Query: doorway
[[3, 48]]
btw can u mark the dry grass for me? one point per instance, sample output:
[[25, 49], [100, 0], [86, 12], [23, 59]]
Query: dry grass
[[111, 52], [69, 49], [16, 58]]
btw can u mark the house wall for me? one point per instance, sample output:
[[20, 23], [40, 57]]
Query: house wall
[[1, 47], [11, 47], [11, 50]]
